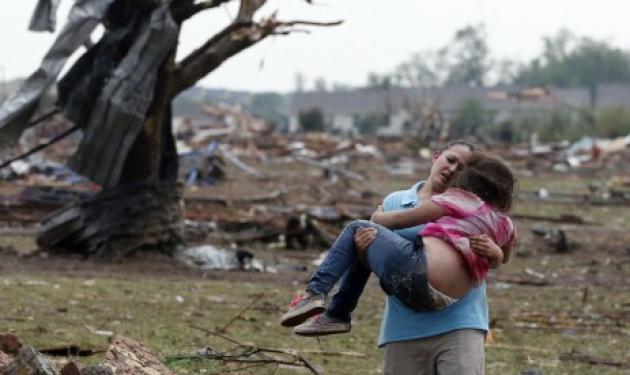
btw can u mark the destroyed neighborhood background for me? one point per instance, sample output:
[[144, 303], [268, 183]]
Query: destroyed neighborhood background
[[186, 270]]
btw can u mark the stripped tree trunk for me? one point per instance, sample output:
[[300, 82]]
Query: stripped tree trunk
[[144, 209], [142, 205]]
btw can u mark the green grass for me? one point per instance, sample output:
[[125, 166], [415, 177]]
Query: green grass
[[51, 311]]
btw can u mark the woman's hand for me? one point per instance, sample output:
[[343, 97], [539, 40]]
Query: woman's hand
[[363, 238], [482, 245], [377, 215]]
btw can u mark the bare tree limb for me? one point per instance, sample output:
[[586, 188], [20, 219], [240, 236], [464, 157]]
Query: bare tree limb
[[239, 35], [191, 9], [592, 360], [308, 23], [247, 10], [249, 354], [241, 312]]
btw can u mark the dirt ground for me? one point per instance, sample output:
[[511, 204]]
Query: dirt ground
[[143, 264], [595, 254]]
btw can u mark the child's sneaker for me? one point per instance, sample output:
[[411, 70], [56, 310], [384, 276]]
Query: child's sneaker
[[322, 325], [303, 307]]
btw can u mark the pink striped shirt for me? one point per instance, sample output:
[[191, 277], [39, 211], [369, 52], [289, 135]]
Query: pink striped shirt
[[467, 216]]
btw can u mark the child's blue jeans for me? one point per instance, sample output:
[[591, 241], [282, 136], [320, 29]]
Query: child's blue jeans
[[399, 264]]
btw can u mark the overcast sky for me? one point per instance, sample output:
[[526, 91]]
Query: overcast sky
[[375, 37]]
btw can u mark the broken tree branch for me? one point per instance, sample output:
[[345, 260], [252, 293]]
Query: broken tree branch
[[241, 312], [330, 168], [522, 281], [569, 219], [592, 360], [190, 9], [238, 163], [334, 354], [239, 35], [231, 201], [248, 354], [307, 23]]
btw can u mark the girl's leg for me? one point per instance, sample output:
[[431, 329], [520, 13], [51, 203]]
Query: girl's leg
[[336, 319], [402, 270], [387, 247], [341, 257], [351, 287]]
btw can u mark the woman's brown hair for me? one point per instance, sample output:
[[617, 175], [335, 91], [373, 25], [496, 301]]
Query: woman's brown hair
[[489, 178]]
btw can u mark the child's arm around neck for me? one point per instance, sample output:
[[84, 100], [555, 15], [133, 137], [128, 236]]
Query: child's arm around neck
[[426, 212]]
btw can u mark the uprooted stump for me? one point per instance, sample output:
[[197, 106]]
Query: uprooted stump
[[117, 221]]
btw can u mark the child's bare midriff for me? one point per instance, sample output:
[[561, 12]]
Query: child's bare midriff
[[446, 268]]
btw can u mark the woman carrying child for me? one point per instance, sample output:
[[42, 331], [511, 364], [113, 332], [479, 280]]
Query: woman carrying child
[[439, 267]]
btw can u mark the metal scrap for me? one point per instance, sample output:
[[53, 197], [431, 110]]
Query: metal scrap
[[44, 17], [120, 109], [16, 111]]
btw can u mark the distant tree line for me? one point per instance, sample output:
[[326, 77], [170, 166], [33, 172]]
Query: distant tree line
[[563, 123], [566, 61]]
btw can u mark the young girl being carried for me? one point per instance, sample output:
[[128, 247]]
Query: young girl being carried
[[440, 267]]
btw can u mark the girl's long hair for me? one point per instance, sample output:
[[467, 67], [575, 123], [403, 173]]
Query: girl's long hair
[[489, 178]]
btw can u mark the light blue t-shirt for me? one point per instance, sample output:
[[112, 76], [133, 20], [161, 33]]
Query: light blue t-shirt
[[401, 323]]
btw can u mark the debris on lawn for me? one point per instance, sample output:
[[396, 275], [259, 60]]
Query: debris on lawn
[[209, 257], [10, 344], [246, 355], [593, 360], [29, 361], [124, 356], [554, 237], [249, 186]]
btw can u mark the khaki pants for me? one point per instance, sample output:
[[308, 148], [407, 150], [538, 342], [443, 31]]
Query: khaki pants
[[459, 352]]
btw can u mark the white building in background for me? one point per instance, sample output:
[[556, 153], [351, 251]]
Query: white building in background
[[342, 110]]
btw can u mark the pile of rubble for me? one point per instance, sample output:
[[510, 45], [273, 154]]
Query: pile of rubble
[[248, 186], [607, 157], [123, 356]]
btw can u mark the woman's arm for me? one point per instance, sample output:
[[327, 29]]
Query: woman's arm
[[426, 212]]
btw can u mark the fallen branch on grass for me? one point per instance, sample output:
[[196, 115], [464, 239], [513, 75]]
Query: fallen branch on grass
[[528, 349], [70, 351], [568, 219], [576, 356], [522, 281], [333, 354], [247, 354], [240, 313]]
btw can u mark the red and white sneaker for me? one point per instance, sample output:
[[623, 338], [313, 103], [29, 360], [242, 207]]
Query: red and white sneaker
[[301, 308], [322, 325]]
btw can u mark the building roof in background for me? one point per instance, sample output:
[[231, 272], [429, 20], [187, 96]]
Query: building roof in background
[[361, 101], [448, 98], [610, 95]]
